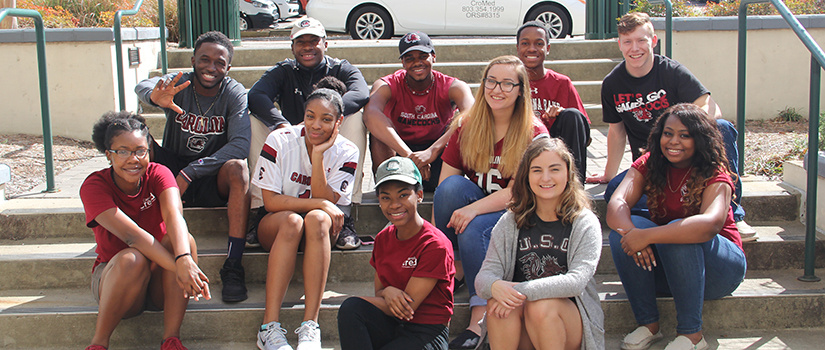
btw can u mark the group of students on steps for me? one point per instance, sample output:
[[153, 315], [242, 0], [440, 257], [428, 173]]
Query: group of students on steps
[[511, 218]]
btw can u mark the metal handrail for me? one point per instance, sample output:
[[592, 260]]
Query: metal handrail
[[817, 62], [668, 26], [188, 14], [40, 34], [119, 45]]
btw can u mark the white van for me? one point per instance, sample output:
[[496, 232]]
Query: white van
[[381, 19]]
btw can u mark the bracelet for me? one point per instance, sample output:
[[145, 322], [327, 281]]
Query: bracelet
[[182, 255]]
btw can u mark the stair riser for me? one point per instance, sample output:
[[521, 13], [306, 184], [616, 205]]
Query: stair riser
[[388, 53], [74, 330], [351, 266], [76, 272], [201, 222], [729, 313], [469, 72], [369, 220]]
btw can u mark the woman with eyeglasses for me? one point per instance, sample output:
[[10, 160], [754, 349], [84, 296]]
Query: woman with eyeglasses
[[486, 148], [146, 258]]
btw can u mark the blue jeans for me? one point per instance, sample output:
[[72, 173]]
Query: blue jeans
[[729, 135], [690, 273], [470, 247]]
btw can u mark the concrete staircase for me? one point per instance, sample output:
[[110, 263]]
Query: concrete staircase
[[46, 252], [584, 61]]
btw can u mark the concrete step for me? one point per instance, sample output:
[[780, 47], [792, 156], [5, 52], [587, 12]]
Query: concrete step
[[767, 300], [67, 263], [593, 69], [63, 218], [258, 53]]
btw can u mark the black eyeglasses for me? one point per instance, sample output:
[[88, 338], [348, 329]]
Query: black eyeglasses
[[124, 154], [506, 86]]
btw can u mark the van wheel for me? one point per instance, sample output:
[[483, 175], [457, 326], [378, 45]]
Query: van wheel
[[370, 23], [554, 18]]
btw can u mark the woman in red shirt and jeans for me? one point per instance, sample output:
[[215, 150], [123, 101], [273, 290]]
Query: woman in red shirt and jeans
[[690, 248]]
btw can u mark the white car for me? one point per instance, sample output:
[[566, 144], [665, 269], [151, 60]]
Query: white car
[[381, 19], [262, 13]]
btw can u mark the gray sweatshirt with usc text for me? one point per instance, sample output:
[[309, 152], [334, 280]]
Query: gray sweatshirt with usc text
[[582, 258]]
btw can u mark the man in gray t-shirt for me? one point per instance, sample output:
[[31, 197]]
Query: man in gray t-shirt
[[206, 141]]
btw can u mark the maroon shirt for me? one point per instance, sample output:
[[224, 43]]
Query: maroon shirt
[[490, 180], [419, 119], [428, 254], [673, 199], [99, 193], [554, 89]]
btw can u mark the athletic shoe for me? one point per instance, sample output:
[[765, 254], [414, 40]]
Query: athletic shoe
[[348, 239], [640, 339], [172, 343], [457, 283], [466, 340], [746, 231], [96, 347], [272, 337], [309, 336], [252, 233], [232, 277], [683, 343]]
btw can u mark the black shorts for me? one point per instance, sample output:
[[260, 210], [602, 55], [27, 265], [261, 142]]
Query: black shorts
[[202, 192]]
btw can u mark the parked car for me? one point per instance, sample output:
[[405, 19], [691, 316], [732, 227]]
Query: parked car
[[262, 13], [381, 19]]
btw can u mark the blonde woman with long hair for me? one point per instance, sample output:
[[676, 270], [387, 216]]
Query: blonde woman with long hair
[[538, 273], [486, 148]]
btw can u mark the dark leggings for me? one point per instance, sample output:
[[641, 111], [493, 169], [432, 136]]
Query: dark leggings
[[362, 326], [572, 127]]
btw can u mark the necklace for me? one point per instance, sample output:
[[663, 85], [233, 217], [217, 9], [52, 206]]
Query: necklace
[[679, 185], [198, 103], [140, 183], [419, 93]]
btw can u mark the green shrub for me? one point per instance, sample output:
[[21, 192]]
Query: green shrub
[[822, 131], [95, 13], [790, 114], [681, 8]]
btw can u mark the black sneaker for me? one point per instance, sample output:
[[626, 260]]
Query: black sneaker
[[232, 277], [466, 340], [348, 239], [252, 233]]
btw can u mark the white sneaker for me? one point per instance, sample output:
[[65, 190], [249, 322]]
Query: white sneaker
[[640, 339], [309, 336], [272, 337], [746, 232], [683, 343]]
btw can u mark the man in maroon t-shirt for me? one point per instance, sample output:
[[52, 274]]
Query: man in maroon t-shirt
[[555, 101], [409, 111]]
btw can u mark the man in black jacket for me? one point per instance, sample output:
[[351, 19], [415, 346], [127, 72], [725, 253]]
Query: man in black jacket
[[288, 83]]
